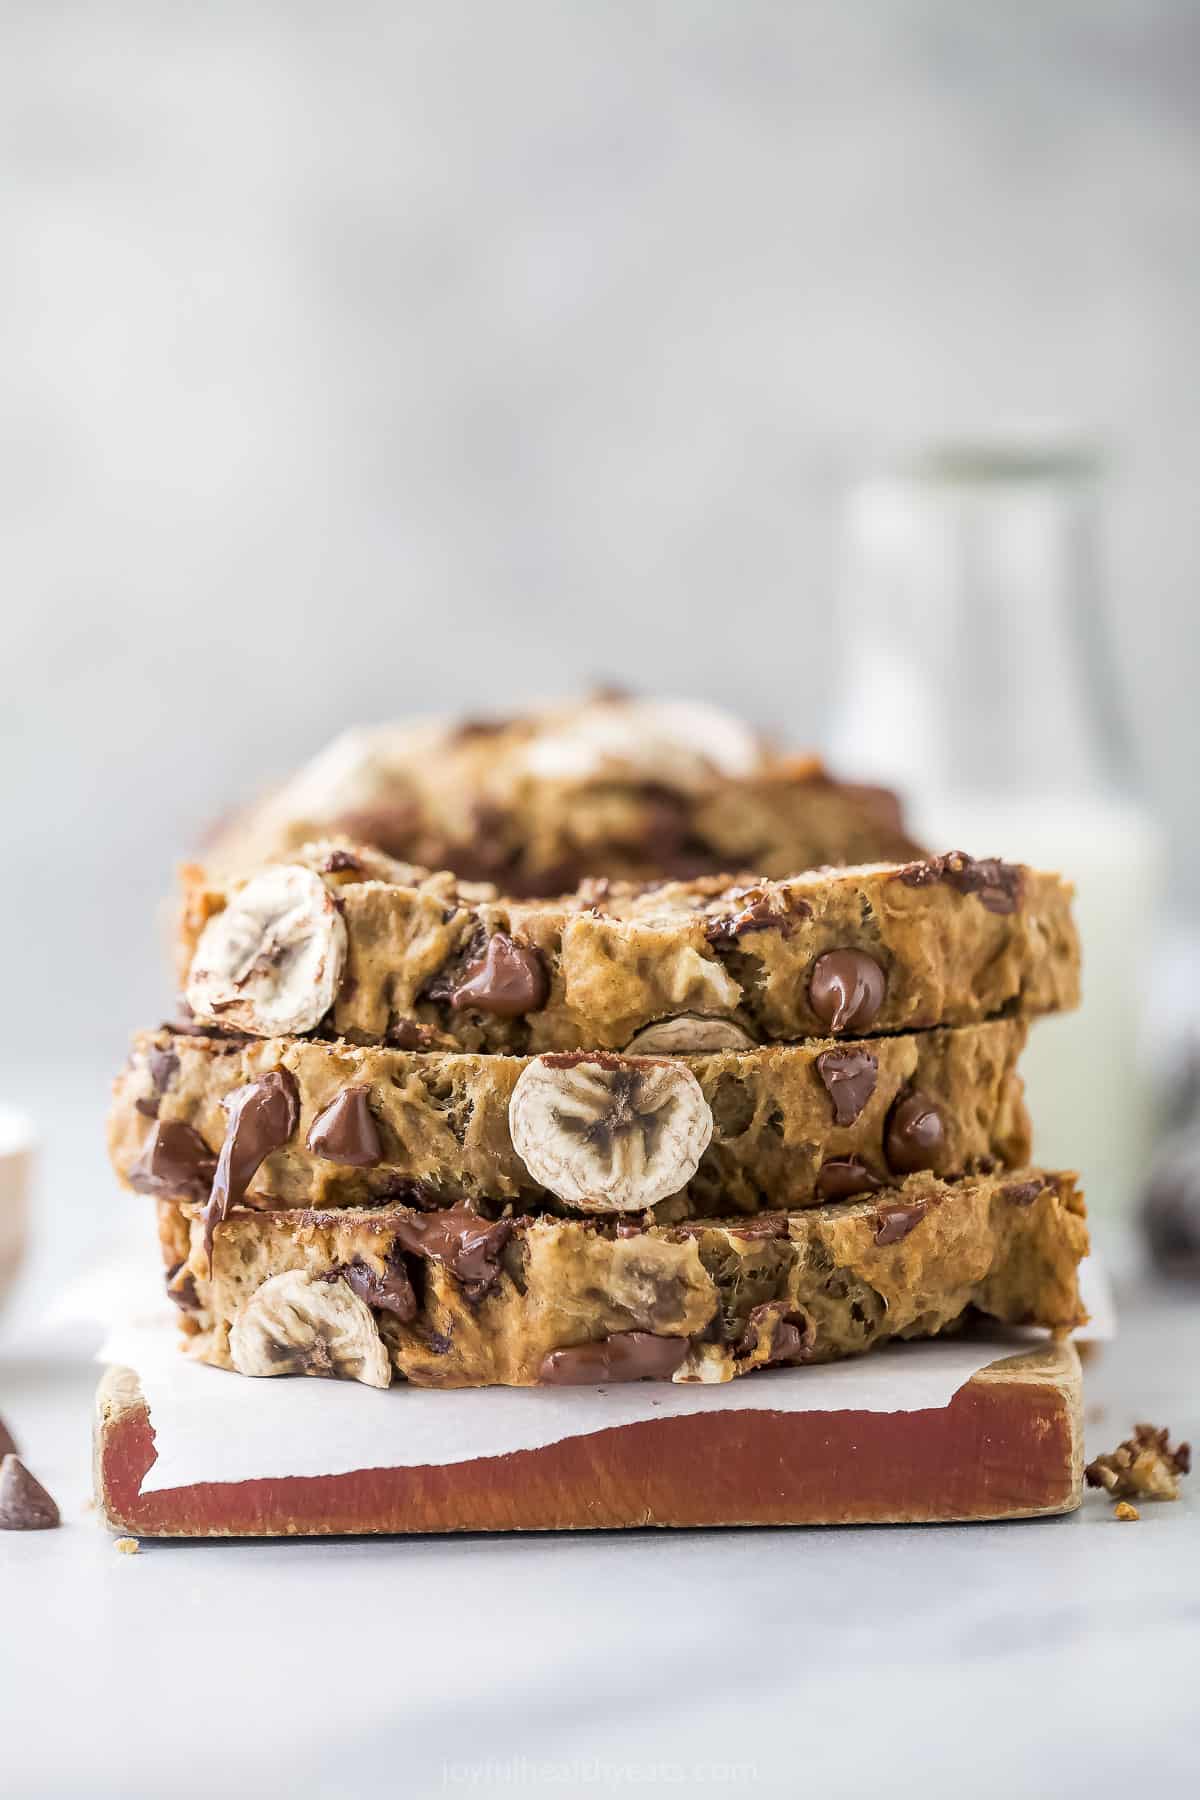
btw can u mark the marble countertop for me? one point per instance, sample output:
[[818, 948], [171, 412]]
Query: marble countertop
[[1047, 1657]]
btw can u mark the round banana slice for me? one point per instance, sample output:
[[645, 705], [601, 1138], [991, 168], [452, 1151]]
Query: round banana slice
[[609, 1133], [687, 1033], [293, 1325], [271, 962]]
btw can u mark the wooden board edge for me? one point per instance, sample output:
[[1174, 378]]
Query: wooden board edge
[[1009, 1446]]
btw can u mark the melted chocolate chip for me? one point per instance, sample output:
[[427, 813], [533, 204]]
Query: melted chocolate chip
[[175, 1161], [1023, 1193], [346, 1132], [24, 1503], [163, 1066], [998, 884], [337, 860], [846, 989], [844, 1176], [792, 1334], [895, 1222], [849, 1078], [915, 1135], [767, 1225], [262, 1117], [624, 1356], [466, 1244], [390, 1292], [508, 980], [181, 1288], [757, 913]]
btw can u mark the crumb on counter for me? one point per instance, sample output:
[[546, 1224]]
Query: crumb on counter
[[1124, 1511], [1143, 1467], [128, 1546]]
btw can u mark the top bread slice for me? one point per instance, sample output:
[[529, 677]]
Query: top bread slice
[[341, 941], [614, 785]]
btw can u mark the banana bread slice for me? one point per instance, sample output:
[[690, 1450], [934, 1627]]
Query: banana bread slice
[[453, 1299], [304, 1122], [613, 785], [343, 942]]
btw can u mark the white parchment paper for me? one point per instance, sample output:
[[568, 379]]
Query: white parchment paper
[[213, 1426]]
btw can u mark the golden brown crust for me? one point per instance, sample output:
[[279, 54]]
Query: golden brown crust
[[443, 1118], [948, 941], [842, 1277]]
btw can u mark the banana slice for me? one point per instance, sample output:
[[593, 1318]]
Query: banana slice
[[293, 1325], [679, 743], [688, 1032], [272, 961], [609, 1133]]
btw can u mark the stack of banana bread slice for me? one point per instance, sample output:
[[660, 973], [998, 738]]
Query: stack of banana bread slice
[[411, 1129]]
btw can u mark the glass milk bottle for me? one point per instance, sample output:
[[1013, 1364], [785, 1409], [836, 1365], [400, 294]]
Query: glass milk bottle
[[971, 619]]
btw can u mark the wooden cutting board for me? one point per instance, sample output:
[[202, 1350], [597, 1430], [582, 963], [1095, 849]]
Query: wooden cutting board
[[1008, 1446]]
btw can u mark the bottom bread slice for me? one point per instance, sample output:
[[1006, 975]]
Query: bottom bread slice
[[448, 1299]]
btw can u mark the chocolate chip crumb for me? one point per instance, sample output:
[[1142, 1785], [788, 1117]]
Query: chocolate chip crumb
[[1143, 1467], [24, 1503]]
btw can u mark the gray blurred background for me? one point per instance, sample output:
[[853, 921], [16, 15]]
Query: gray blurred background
[[372, 357]]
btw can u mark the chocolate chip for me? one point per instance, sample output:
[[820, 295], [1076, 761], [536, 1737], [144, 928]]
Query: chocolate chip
[[262, 1117], [792, 1334], [175, 1161], [849, 1077], [463, 1242], [759, 910], [846, 989], [8, 1443], [24, 1503], [163, 1066], [915, 1135], [998, 884], [181, 1288], [346, 1132], [508, 980], [406, 1034], [895, 1222], [844, 1176], [337, 860], [390, 1292], [147, 1108], [767, 1225], [1023, 1193], [624, 1356]]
